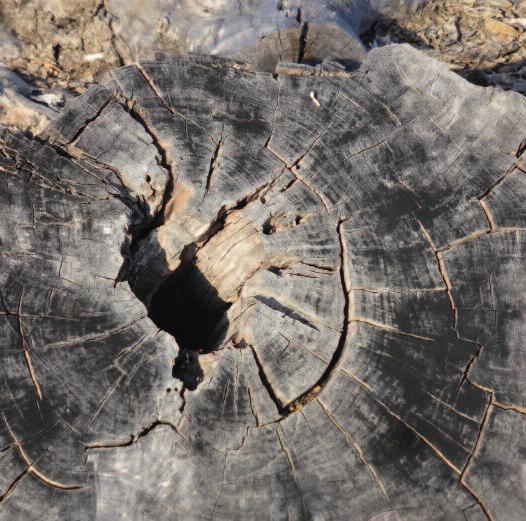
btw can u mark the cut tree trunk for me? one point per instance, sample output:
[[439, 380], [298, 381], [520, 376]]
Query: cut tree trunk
[[234, 295], [263, 32]]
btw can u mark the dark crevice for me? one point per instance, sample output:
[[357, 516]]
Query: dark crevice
[[338, 354], [133, 437], [164, 163], [153, 426], [268, 227], [521, 149], [472, 454], [214, 163], [303, 41], [188, 307], [472, 360], [13, 485], [276, 270], [185, 303], [56, 52], [88, 121], [320, 267], [479, 437], [252, 408], [299, 15], [264, 378]]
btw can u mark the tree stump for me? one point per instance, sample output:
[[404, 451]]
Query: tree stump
[[234, 295], [263, 32]]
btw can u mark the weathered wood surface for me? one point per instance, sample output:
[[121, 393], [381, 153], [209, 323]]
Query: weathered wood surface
[[341, 259], [264, 32]]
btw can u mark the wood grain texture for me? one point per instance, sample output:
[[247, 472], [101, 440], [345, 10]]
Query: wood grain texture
[[230, 295]]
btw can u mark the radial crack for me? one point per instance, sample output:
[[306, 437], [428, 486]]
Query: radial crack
[[356, 447], [83, 127], [443, 273], [465, 375], [480, 435], [164, 162], [264, 378], [13, 485], [27, 357], [214, 165]]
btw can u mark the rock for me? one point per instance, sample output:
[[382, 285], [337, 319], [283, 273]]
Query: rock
[[23, 107], [477, 39], [503, 30], [10, 48], [237, 295]]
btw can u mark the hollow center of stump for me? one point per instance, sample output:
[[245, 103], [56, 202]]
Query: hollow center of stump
[[191, 302], [188, 306]]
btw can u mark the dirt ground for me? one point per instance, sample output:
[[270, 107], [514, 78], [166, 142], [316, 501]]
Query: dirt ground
[[482, 40], [58, 44]]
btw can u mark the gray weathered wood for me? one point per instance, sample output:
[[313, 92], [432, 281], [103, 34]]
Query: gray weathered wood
[[232, 295], [263, 32]]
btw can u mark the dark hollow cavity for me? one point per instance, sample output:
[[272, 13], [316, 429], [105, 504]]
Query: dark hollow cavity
[[188, 307]]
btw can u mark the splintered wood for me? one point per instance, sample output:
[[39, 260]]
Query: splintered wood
[[232, 295]]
